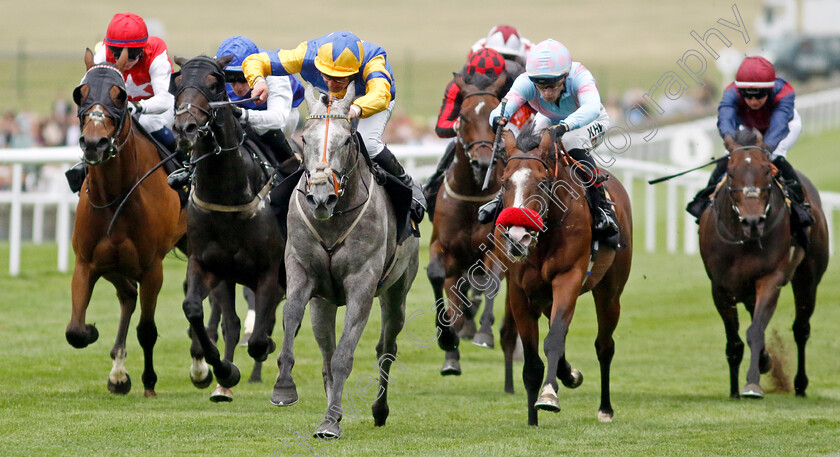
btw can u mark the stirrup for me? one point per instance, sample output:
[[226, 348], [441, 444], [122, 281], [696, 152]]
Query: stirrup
[[488, 211]]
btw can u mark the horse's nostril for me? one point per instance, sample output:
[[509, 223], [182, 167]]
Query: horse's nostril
[[101, 144], [191, 129], [332, 199]]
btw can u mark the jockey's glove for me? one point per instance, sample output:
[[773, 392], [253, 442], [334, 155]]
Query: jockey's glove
[[557, 131], [135, 108], [499, 121], [237, 111]]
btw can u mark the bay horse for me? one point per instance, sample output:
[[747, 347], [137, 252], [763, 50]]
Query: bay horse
[[545, 242], [232, 233], [749, 255], [459, 242], [127, 219], [345, 253]]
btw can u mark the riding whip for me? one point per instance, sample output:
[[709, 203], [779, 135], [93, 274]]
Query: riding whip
[[665, 178], [232, 102], [495, 147]]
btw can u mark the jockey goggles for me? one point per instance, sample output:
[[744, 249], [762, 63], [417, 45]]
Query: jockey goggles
[[235, 77], [753, 93], [547, 82], [133, 53]]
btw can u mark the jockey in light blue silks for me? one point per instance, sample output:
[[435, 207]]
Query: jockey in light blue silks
[[331, 63], [566, 98]]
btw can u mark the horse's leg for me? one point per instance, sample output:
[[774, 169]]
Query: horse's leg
[[449, 315], [508, 339], [765, 362], [607, 308], [250, 319], [147, 333], [118, 380], [224, 296], [214, 319], [726, 307], [564, 295], [804, 284], [359, 287], [436, 271], [322, 314], [527, 324], [767, 294], [392, 305], [78, 333], [470, 308], [484, 337], [299, 292], [266, 297], [199, 285]]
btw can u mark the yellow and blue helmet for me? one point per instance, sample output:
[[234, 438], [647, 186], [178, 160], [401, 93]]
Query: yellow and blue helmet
[[341, 55]]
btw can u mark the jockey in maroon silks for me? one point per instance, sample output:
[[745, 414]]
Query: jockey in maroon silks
[[757, 99]]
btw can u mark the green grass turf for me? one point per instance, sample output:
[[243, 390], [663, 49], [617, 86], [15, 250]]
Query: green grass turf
[[669, 381]]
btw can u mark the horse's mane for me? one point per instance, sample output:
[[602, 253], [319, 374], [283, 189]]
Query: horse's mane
[[528, 139]]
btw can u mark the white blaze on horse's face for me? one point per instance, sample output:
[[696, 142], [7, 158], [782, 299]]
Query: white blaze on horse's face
[[520, 180], [479, 107]]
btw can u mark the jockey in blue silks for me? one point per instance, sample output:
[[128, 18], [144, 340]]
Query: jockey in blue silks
[[332, 62], [566, 98]]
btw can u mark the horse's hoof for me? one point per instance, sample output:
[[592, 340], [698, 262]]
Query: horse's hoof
[[122, 388], [548, 400], [149, 393], [765, 362], [448, 340], [484, 340], [328, 430], [284, 396], [576, 381], [380, 415], [752, 391], [231, 379], [451, 367], [467, 332], [221, 394], [605, 416], [203, 383]]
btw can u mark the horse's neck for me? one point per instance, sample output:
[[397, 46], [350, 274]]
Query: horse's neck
[[566, 194], [226, 175]]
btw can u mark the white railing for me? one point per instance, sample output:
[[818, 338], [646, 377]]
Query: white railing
[[672, 149]]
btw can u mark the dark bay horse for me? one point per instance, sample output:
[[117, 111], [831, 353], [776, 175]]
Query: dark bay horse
[[233, 235], [551, 259], [459, 242], [344, 253], [126, 247], [749, 255]]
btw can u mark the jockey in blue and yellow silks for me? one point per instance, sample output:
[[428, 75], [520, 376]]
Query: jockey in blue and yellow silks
[[333, 62]]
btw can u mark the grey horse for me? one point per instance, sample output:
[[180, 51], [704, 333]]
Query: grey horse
[[344, 253]]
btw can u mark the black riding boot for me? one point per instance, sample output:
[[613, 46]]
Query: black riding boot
[[282, 157], [76, 176], [702, 199], [389, 163], [432, 186], [489, 211], [800, 210]]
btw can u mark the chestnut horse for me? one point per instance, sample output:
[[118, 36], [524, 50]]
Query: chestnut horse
[[545, 201], [127, 218], [456, 257], [749, 255]]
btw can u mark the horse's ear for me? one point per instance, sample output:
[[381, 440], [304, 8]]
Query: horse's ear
[[311, 100], [759, 140], [79, 93], [224, 60], [545, 141], [122, 60], [180, 61], [459, 81], [510, 142], [497, 85], [344, 105], [88, 59]]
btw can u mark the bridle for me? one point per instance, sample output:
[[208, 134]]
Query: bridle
[[469, 147], [99, 95], [324, 173]]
